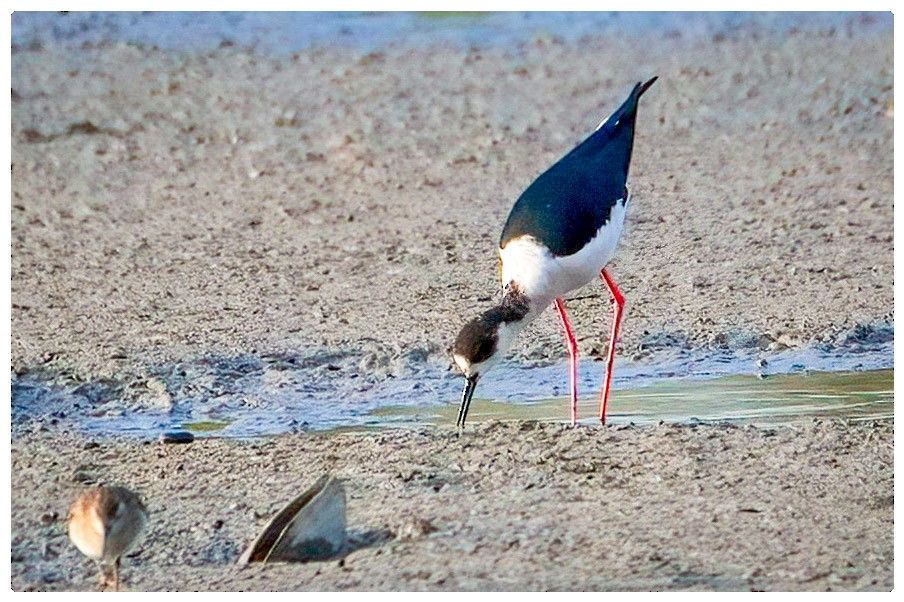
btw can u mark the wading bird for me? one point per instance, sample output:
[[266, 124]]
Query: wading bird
[[560, 234], [104, 524]]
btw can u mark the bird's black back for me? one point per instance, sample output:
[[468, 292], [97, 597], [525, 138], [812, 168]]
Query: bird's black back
[[568, 203]]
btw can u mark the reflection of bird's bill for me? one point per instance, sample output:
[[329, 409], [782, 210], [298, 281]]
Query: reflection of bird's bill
[[466, 395]]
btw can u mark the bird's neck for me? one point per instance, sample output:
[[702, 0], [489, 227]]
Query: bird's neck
[[514, 305], [517, 308]]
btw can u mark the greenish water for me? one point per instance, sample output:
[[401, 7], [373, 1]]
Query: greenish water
[[775, 400], [242, 398], [206, 426]]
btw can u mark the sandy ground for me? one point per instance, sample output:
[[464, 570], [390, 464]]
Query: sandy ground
[[516, 506], [167, 207]]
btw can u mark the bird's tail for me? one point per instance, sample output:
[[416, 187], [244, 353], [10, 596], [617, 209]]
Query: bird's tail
[[646, 85], [630, 104]]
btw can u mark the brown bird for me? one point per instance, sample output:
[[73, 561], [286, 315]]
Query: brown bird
[[104, 524]]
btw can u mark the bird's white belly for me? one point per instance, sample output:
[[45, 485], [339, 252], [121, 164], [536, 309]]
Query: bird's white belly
[[543, 277], [87, 533]]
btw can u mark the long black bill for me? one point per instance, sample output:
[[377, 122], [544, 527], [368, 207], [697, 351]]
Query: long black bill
[[466, 395]]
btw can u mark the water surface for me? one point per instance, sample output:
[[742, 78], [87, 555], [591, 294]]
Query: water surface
[[762, 401], [252, 396], [279, 33]]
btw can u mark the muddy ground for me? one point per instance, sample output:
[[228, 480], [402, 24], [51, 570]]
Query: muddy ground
[[515, 506], [170, 206]]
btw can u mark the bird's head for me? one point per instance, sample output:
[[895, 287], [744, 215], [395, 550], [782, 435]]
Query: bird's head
[[484, 340], [110, 510]]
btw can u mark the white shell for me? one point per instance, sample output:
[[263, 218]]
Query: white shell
[[310, 527]]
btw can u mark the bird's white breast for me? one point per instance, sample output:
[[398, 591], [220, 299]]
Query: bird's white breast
[[86, 530], [543, 277]]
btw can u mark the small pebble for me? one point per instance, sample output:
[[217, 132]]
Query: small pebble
[[49, 518], [414, 528], [177, 437], [83, 476]]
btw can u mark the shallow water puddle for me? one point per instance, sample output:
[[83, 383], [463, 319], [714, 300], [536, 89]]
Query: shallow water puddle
[[254, 396], [205, 426], [282, 33], [781, 399]]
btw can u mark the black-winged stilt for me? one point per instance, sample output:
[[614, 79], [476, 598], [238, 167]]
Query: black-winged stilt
[[560, 234]]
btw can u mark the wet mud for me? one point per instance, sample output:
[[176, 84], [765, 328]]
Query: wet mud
[[241, 242]]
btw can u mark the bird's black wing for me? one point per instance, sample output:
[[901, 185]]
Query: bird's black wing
[[566, 205]]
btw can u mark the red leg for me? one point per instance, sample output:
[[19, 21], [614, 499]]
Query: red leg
[[618, 302], [573, 352]]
